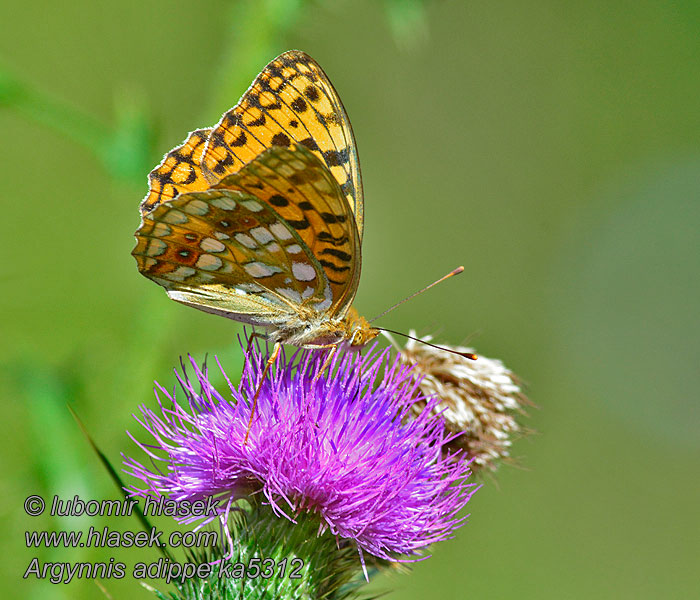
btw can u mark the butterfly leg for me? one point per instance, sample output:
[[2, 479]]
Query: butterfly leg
[[324, 366], [359, 375], [254, 335], [270, 361]]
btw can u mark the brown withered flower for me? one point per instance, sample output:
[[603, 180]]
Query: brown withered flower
[[479, 399]]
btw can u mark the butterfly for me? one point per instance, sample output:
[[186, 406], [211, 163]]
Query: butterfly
[[259, 218]]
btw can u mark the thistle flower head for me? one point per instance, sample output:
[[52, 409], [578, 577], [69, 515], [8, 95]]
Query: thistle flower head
[[339, 446], [477, 398]]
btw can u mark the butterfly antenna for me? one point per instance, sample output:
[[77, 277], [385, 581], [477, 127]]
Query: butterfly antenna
[[468, 355], [457, 271]]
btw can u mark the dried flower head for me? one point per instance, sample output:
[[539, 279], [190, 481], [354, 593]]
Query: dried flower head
[[478, 398], [339, 446]]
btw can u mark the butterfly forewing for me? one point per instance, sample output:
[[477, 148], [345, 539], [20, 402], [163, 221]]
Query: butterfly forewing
[[180, 171], [291, 100], [302, 191], [227, 252]]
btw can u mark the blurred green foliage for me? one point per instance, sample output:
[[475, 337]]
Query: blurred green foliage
[[554, 149]]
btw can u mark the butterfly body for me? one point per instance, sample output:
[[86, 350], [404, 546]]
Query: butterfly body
[[318, 331], [259, 219], [306, 329]]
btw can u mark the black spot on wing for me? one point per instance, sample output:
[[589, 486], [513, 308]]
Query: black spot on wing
[[253, 99], [259, 122], [330, 218], [334, 267], [331, 239], [299, 104], [335, 158], [301, 224], [344, 256], [311, 93], [310, 143], [276, 105], [281, 139], [190, 178], [277, 200], [222, 165], [240, 140]]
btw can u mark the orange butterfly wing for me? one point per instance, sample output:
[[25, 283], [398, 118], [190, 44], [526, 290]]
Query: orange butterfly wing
[[292, 100], [180, 171]]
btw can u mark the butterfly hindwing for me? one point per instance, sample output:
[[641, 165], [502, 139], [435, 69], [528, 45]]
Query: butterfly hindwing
[[225, 251], [302, 191], [292, 100]]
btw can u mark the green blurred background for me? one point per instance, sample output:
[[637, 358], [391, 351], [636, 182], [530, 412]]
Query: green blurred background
[[552, 148]]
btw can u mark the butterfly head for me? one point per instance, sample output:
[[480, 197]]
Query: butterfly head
[[358, 331]]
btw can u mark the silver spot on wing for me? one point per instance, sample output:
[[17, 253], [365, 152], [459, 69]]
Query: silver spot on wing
[[208, 262], [303, 271], [252, 205], [196, 207], [211, 245], [224, 202], [161, 230], [175, 217], [280, 231], [156, 247], [181, 273], [261, 234], [257, 269], [246, 240]]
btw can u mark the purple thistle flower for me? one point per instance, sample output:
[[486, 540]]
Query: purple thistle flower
[[343, 446]]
